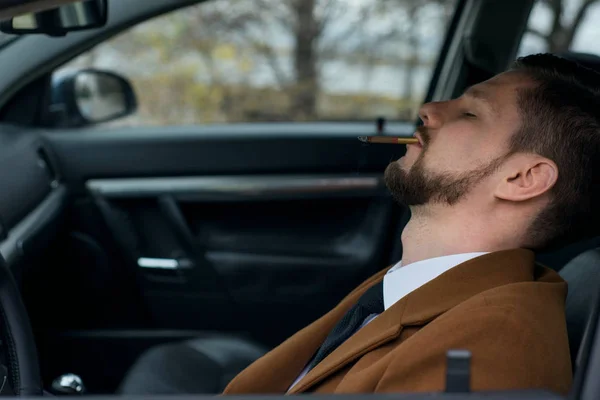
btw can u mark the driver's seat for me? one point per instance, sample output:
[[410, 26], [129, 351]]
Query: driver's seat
[[583, 278], [201, 365]]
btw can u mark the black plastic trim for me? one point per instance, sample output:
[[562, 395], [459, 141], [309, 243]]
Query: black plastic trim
[[449, 38], [217, 150], [23, 237]]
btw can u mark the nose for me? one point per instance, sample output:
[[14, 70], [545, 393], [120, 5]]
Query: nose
[[431, 114]]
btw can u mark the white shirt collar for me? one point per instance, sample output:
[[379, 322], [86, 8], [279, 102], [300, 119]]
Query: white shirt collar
[[401, 280]]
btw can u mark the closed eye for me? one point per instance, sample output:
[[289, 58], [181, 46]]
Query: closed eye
[[469, 115]]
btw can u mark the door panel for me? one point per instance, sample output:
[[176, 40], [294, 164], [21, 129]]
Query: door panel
[[214, 262], [259, 231]]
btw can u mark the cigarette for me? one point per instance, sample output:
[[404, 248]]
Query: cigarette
[[389, 140]]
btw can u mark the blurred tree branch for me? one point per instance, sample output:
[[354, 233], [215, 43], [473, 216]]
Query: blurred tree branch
[[268, 59], [562, 32]]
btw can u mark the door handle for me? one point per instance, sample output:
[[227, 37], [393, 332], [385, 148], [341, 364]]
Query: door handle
[[164, 263], [204, 271]]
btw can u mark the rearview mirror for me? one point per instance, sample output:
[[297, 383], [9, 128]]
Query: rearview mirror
[[82, 15], [91, 96]]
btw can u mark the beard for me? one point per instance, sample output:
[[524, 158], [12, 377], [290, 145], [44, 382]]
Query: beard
[[418, 186]]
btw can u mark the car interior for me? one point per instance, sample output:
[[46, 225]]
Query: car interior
[[203, 246]]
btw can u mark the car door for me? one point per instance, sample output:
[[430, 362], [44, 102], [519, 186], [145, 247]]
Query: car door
[[229, 220], [236, 199]]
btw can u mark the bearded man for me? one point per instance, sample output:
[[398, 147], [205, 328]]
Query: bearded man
[[506, 169]]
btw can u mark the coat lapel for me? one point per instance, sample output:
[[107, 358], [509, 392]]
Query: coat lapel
[[424, 304], [278, 369], [381, 330]]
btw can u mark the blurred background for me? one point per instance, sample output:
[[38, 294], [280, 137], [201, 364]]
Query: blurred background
[[304, 60]]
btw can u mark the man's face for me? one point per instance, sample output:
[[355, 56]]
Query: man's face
[[462, 142]]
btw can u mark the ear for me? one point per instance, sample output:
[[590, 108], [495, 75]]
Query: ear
[[529, 179]]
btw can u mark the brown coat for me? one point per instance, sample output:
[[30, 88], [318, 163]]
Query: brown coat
[[509, 312]]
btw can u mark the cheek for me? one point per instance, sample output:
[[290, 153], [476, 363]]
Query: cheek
[[449, 155], [463, 149]]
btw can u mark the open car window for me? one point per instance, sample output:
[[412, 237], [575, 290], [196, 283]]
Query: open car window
[[561, 26], [230, 61]]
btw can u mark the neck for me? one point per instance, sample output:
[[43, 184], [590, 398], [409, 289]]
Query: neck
[[441, 232]]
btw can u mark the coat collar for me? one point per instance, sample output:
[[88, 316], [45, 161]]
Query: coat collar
[[276, 371]]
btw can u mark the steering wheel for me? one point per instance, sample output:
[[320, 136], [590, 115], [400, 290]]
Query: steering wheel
[[18, 344]]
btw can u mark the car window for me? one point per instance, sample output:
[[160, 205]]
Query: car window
[[562, 25], [278, 60]]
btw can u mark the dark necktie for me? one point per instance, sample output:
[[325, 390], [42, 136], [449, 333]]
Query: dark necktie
[[371, 302]]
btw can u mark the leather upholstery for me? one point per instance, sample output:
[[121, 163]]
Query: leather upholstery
[[19, 345], [202, 365], [582, 273], [583, 277]]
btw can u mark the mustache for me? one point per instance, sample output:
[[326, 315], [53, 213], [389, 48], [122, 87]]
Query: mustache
[[423, 131]]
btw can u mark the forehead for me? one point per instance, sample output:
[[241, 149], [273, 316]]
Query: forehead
[[500, 94], [502, 89]]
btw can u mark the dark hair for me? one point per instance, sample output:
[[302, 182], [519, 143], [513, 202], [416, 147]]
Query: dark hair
[[561, 121]]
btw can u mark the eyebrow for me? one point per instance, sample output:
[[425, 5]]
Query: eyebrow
[[483, 97]]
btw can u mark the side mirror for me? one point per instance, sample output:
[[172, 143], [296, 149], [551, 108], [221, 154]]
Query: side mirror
[[90, 96], [82, 15]]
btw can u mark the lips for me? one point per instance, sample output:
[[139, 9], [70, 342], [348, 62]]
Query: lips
[[420, 139]]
